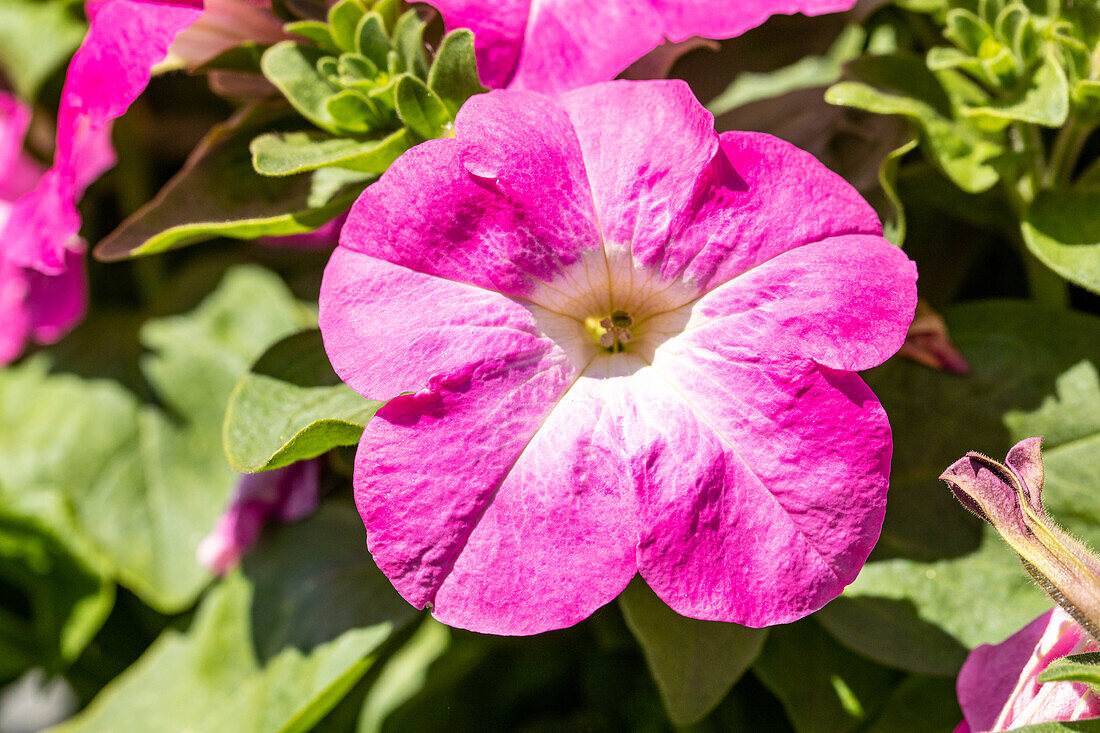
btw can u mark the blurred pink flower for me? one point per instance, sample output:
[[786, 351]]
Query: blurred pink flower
[[555, 45], [285, 494], [33, 306], [107, 73], [998, 685], [615, 341], [225, 24]]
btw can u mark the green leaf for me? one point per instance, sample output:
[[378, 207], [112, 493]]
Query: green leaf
[[1044, 101], [343, 20], [920, 705], [293, 69], [453, 75], [50, 563], [695, 663], [147, 490], [287, 153], [903, 85], [316, 31], [1075, 668], [37, 37], [1062, 229], [404, 675], [371, 39], [421, 109], [824, 687], [891, 632], [273, 651], [291, 406], [218, 194], [807, 72], [887, 177], [408, 42], [355, 112], [935, 565]]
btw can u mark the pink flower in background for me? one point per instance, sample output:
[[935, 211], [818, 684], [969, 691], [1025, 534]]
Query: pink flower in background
[[999, 688], [615, 342], [223, 25], [554, 45], [33, 306], [111, 68], [285, 494]]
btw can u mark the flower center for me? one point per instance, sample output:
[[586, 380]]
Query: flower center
[[612, 333]]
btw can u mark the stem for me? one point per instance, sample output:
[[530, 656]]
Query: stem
[[1063, 156], [1047, 287]]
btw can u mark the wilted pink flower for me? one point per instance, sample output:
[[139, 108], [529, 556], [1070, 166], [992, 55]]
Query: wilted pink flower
[[630, 344], [999, 688], [108, 72], [554, 45], [929, 343], [285, 494], [33, 306]]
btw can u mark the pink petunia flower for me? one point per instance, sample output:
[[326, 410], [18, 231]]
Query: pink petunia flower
[[998, 685], [33, 306], [108, 72], [623, 343], [285, 494], [555, 45]]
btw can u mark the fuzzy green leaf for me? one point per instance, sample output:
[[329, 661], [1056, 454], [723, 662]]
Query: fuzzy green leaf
[[904, 86], [293, 69], [315, 31], [343, 20], [287, 153], [371, 40], [408, 42], [1045, 101], [421, 109], [453, 75], [146, 491]]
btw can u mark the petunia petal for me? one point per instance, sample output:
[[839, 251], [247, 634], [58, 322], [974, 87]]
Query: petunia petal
[[844, 302], [555, 45], [722, 19], [559, 538], [430, 463], [570, 43], [388, 329], [785, 490], [998, 685], [431, 214], [109, 70], [644, 175], [57, 302], [764, 197]]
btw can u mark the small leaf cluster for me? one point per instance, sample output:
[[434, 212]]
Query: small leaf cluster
[[1003, 96], [1034, 60], [365, 84]]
